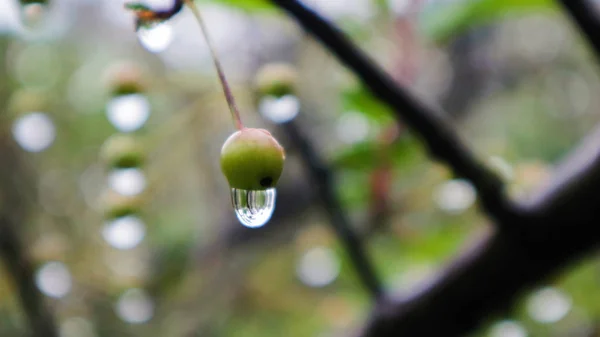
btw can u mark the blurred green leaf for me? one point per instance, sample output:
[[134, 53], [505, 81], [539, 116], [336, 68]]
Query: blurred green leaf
[[367, 155], [444, 21], [359, 99], [249, 5]]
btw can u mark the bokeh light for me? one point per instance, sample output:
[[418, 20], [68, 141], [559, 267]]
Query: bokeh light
[[352, 127], [129, 112], [125, 232], [318, 267], [34, 132], [455, 196], [279, 109], [549, 305], [54, 279], [507, 328], [127, 182], [135, 306]]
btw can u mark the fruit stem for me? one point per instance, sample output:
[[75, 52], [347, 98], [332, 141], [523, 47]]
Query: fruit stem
[[235, 113]]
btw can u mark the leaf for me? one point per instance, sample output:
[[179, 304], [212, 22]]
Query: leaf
[[443, 21], [366, 155], [359, 99], [248, 5]]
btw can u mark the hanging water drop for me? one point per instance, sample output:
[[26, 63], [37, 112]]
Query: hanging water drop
[[156, 38], [253, 208]]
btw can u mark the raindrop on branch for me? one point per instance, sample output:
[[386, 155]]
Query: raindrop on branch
[[156, 38]]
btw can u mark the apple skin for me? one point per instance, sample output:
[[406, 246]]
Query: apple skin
[[252, 159]]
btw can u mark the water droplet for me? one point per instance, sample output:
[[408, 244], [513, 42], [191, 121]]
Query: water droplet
[[156, 38], [253, 208]]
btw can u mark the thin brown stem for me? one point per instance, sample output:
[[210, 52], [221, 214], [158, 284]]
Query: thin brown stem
[[235, 113]]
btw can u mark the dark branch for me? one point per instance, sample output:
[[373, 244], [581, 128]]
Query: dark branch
[[14, 185], [428, 122], [322, 177], [502, 266], [586, 17], [555, 229], [20, 268]]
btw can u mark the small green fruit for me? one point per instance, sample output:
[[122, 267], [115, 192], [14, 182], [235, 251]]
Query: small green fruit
[[276, 79], [252, 159], [122, 151]]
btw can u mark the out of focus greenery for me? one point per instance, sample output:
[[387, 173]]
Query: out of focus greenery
[[202, 273]]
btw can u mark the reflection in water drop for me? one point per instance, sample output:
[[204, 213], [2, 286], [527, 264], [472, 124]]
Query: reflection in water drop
[[128, 182], [549, 305], [318, 267], [253, 208], [135, 306], [157, 38], [507, 329], [34, 132], [128, 113], [279, 110], [32, 15], [53, 279], [125, 232]]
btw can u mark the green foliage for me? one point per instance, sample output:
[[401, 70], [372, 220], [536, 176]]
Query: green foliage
[[444, 21], [248, 5]]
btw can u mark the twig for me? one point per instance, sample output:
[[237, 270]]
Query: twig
[[322, 178], [427, 121]]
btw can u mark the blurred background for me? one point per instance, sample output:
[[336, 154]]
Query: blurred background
[[109, 157]]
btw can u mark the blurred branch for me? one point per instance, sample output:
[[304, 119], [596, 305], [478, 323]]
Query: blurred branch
[[555, 229], [18, 264], [21, 270], [585, 15], [428, 122], [562, 227], [322, 177]]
